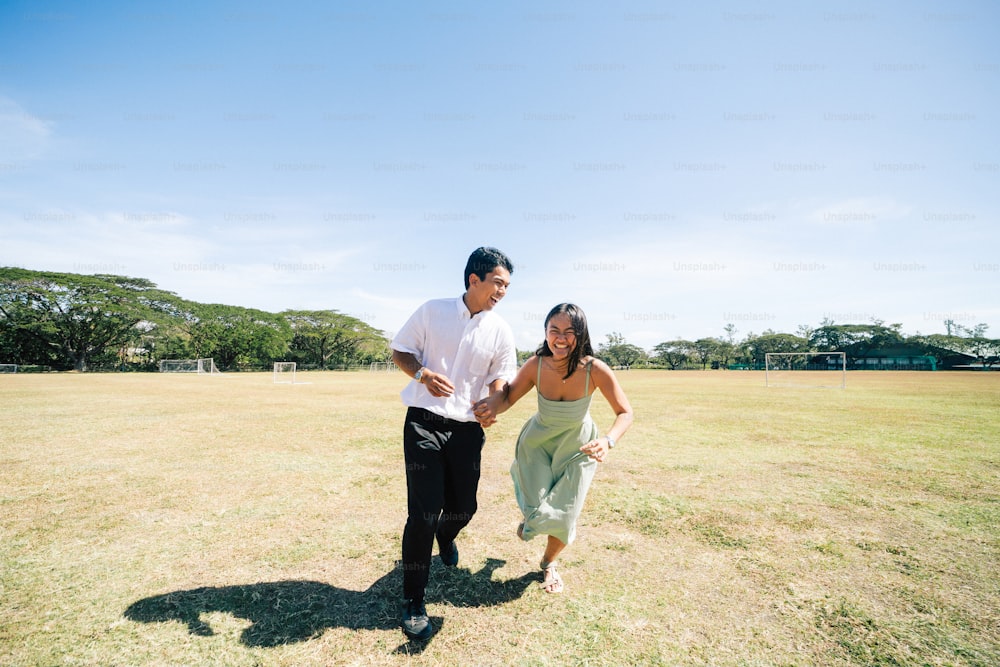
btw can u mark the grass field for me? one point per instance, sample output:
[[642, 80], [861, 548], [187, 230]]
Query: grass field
[[183, 520]]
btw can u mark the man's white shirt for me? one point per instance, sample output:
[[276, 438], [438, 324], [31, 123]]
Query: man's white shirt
[[471, 350]]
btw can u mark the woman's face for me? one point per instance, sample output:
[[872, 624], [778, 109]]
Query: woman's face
[[560, 335]]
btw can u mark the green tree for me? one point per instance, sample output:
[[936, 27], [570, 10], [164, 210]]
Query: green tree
[[967, 340], [71, 319], [237, 337], [769, 341], [705, 350], [673, 354], [727, 349], [616, 352], [856, 340], [20, 342], [725, 352], [986, 350], [326, 338]]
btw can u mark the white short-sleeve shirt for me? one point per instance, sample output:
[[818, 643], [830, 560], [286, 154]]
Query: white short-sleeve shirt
[[471, 350]]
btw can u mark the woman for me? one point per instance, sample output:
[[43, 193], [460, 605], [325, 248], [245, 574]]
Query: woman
[[558, 449]]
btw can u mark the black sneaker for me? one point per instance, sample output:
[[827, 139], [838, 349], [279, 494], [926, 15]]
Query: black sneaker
[[415, 623], [449, 553]]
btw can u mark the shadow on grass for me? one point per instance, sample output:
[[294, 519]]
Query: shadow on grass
[[285, 612]]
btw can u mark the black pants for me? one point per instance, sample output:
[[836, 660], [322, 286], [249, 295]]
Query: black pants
[[442, 477]]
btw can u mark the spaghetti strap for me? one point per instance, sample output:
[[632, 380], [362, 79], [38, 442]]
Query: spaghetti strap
[[538, 375], [586, 386]]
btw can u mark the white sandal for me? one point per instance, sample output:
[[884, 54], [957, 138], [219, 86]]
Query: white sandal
[[551, 581]]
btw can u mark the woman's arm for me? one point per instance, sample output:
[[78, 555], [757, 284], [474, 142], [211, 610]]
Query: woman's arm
[[606, 381], [487, 409]]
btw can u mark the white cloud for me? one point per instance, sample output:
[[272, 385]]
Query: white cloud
[[22, 135]]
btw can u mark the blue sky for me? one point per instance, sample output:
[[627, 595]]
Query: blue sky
[[671, 167]]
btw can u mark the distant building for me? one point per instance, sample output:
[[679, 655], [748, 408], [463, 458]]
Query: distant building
[[910, 357]]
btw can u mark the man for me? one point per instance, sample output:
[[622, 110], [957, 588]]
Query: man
[[457, 351]]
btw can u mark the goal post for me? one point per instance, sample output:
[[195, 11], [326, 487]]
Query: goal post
[[284, 372], [382, 367], [805, 369], [204, 366], [8, 368]]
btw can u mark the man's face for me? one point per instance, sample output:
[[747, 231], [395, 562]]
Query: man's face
[[486, 293]]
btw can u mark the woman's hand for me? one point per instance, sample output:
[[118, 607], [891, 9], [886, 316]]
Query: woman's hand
[[485, 410], [597, 449]]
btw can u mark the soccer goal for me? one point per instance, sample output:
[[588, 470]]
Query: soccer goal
[[284, 372], [382, 367], [199, 366], [8, 368], [805, 369]]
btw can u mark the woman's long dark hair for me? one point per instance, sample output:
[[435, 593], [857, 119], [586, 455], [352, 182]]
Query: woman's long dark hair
[[582, 347]]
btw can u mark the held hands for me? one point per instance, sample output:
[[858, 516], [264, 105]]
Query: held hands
[[440, 386], [485, 410], [597, 449]]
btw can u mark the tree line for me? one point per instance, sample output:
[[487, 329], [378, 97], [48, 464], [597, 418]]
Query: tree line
[[857, 341], [69, 321], [106, 322]]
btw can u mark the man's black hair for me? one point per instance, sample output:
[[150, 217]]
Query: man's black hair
[[483, 260]]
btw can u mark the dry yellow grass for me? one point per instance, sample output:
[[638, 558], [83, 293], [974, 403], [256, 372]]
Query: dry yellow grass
[[173, 519]]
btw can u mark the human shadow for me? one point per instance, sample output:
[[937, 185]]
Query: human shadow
[[286, 612]]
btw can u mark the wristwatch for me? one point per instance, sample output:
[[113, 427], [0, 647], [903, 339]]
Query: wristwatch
[[611, 441], [419, 374]]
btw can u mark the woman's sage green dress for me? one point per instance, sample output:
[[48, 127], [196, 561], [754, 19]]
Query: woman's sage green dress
[[551, 475]]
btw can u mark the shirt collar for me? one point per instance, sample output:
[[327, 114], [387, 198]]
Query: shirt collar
[[464, 312]]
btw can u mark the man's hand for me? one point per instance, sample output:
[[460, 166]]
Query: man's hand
[[437, 384], [485, 413]]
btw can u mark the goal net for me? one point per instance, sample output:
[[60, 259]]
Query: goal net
[[284, 372], [8, 368], [200, 366], [382, 367], [805, 369]]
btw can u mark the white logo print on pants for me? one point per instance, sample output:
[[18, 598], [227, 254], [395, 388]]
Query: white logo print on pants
[[431, 440]]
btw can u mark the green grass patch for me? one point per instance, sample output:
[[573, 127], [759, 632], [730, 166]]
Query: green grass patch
[[179, 520]]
